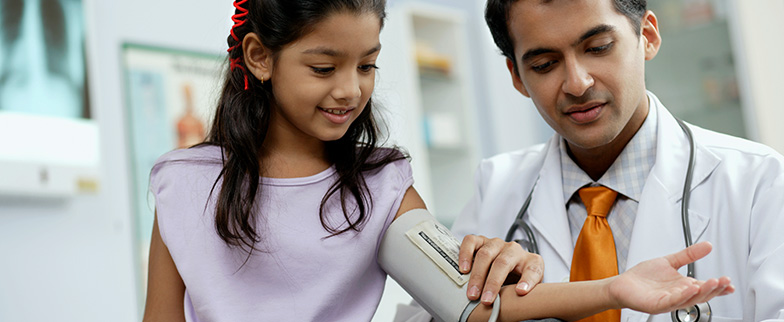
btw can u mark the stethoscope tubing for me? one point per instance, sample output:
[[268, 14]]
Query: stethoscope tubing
[[687, 195], [533, 247]]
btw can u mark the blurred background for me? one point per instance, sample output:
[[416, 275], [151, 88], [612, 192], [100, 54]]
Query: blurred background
[[93, 91]]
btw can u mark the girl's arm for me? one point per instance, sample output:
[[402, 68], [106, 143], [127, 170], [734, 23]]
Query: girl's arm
[[492, 262], [411, 201], [165, 288], [653, 286]]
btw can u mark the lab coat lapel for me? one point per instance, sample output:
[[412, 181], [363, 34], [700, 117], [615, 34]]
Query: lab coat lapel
[[548, 210], [672, 155], [658, 229]]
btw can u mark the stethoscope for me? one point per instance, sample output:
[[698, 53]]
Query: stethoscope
[[700, 312]]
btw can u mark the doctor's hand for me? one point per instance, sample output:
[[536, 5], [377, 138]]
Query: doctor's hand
[[493, 262], [655, 286]]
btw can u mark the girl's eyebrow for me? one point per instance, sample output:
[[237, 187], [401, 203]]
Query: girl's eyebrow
[[323, 50]]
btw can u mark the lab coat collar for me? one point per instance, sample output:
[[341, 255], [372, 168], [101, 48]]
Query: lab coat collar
[[547, 213]]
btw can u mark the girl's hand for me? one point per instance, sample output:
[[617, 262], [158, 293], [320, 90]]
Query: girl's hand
[[655, 286], [492, 262]]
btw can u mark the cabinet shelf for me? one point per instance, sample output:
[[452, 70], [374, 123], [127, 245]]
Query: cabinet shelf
[[436, 120], [430, 75]]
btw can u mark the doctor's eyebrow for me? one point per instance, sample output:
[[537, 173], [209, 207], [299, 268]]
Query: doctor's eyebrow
[[600, 29]]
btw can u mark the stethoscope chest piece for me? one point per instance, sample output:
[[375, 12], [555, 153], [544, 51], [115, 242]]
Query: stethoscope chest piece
[[696, 313]]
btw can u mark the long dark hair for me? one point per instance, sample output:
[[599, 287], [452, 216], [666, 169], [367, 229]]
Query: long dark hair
[[243, 117]]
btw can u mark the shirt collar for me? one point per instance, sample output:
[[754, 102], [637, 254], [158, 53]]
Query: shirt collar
[[628, 173]]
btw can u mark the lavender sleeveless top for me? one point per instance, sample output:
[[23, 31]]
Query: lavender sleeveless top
[[299, 274]]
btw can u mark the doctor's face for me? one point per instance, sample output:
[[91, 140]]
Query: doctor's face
[[583, 65]]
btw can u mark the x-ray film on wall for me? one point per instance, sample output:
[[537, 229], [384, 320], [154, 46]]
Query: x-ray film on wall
[[42, 65]]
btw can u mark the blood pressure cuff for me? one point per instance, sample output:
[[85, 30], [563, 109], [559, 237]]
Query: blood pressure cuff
[[422, 256]]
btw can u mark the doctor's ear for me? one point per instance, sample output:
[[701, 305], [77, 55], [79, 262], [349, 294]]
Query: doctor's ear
[[516, 80], [258, 58], [650, 35]]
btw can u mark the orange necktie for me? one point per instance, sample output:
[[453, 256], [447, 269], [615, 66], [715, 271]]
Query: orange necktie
[[594, 254]]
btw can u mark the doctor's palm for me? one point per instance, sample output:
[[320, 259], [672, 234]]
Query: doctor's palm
[[655, 286]]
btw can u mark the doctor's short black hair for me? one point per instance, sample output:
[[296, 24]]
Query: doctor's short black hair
[[497, 17]]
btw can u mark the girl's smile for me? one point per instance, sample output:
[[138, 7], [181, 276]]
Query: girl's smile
[[337, 115]]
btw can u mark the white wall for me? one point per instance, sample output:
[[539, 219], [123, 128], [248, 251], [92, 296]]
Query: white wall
[[66, 260], [73, 259], [756, 26]]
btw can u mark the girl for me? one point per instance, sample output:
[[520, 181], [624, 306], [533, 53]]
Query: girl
[[278, 214]]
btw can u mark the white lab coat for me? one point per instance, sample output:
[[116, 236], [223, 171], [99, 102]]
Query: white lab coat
[[737, 203]]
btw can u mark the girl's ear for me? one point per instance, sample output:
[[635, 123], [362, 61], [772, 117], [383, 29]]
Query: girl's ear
[[258, 59]]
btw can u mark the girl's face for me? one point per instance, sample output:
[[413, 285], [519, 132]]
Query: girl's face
[[323, 80]]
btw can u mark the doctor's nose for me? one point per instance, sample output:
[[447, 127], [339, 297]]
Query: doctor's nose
[[577, 80]]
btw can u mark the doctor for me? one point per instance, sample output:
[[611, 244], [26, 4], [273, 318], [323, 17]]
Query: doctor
[[582, 62]]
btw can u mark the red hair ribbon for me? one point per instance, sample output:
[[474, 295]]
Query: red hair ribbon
[[237, 62], [239, 19]]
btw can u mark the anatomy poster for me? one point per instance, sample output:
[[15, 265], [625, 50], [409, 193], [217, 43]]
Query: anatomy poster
[[170, 96]]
